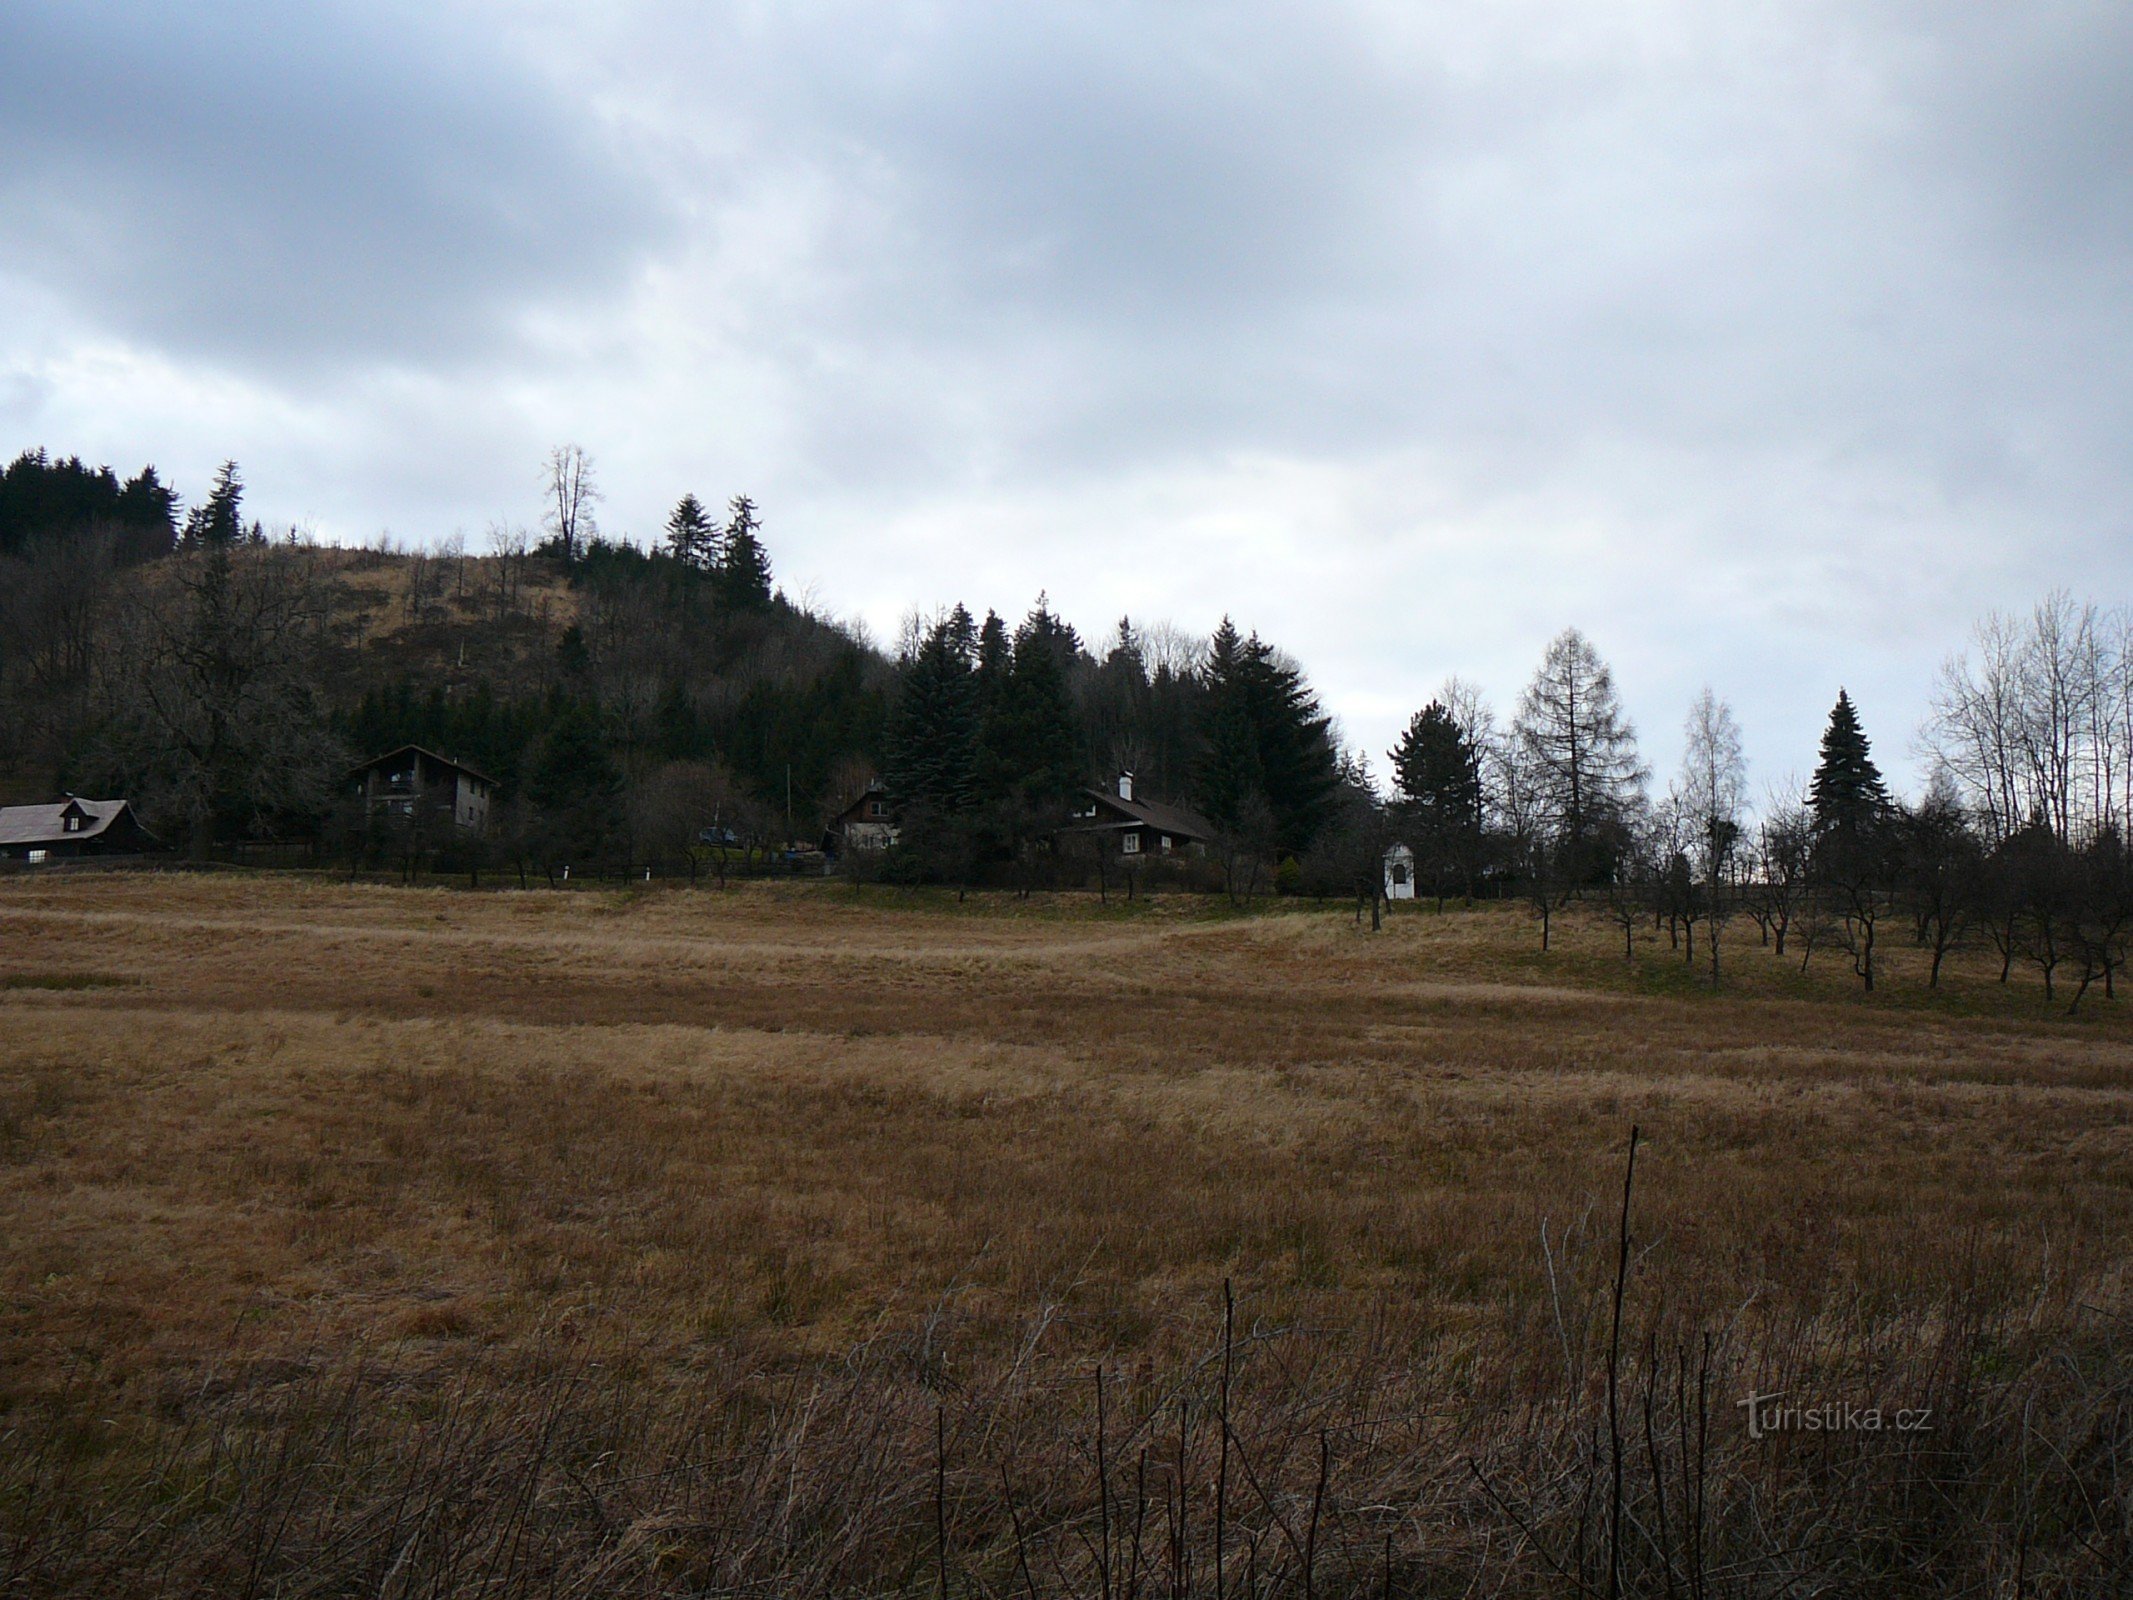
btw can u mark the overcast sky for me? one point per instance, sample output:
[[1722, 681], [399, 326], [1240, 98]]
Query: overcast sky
[[1769, 344]]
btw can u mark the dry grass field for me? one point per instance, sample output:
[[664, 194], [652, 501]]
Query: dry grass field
[[782, 1240]]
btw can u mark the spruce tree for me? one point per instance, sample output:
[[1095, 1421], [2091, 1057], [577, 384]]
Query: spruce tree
[[1229, 775], [217, 524], [690, 535], [1847, 794], [148, 510], [994, 660], [1033, 741], [43, 498], [1265, 737], [743, 564], [674, 719], [933, 737]]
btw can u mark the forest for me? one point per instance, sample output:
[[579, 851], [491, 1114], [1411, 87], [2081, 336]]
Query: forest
[[648, 707]]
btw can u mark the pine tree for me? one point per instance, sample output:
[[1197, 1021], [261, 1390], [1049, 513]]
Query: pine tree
[[1436, 771], [1847, 794], [743, 564], [1437, 776], [690, 535]]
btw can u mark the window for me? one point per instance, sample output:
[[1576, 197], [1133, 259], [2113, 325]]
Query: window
[[1399, 872], [1166, 844], [1131, 844], [73, 822], [876, 808]]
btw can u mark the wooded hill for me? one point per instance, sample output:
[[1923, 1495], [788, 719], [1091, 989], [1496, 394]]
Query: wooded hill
[[226, 680], [624, 699]]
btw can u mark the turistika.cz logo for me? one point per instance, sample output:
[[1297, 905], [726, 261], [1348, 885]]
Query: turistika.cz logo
[[1768, 1414]]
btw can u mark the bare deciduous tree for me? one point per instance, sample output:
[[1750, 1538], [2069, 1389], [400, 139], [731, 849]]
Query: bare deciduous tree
[[507, 549], [567, 483], [1711, 790], [2035, 723], [1782, 874], [671, 806], [211, 708]]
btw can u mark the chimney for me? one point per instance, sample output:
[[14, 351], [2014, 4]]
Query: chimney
[[1125, 785]]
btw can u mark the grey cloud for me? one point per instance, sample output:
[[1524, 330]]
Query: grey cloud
[[1752, 337], [291, 185], [1172, 228]]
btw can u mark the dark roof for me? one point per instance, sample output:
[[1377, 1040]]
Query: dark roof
[[421, 750], [46, 824], [873, 791], [1154, 814]]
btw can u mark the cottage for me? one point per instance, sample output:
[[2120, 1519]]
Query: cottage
[[1399, 873], [420, 785], [868, 823], [1139, 827], [72, 827]]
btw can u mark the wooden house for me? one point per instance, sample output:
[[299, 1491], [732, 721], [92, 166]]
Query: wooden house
[[1133, 828], [419, 785], [72, 827], [868, 823]]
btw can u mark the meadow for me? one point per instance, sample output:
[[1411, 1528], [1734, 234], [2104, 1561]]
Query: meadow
[[794, 1238]]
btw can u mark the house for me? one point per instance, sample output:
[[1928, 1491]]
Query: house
[[1139, 827], [421, 785], [72, 827], [868, 823], [1399, 872]]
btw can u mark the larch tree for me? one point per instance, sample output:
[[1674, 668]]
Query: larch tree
[[1580, 752]]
